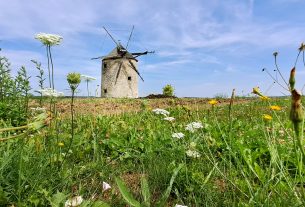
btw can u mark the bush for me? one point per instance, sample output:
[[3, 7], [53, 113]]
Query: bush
[[14, 94], [168, 90]]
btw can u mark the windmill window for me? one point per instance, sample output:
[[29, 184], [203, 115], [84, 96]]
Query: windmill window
[[129, 78], [105, 65], [105, 90]]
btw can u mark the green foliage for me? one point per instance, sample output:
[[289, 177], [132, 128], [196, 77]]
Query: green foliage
[[14, 94], [146, 192], [126, 194], [168, 90], [41, 79]]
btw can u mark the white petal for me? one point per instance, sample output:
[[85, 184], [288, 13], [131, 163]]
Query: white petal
[[75, 201], [106, 186]]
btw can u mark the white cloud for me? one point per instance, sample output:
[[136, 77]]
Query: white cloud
[[197, 34]]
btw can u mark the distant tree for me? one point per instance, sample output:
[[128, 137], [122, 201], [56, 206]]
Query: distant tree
[[168, 90]]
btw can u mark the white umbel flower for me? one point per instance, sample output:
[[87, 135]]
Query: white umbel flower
[[49, 39], [87, 78], [177, 205], [74, 201], [178, 135], [193, 154], [161, 111], [106, 186], [51, 92], [169, 118], [193, 126]]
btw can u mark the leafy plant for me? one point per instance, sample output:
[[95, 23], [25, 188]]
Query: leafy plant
[[146, 192], [41, 79], [168, 90]]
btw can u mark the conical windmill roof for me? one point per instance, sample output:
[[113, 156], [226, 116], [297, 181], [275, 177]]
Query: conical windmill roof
[[116, 54]]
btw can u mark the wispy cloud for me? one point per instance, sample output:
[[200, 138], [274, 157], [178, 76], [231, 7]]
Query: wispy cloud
[[218, 36]]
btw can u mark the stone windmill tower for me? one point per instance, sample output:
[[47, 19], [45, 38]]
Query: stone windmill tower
[[119, 72]]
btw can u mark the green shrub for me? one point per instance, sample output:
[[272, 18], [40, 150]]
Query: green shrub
[[14, 94], [168, 90]]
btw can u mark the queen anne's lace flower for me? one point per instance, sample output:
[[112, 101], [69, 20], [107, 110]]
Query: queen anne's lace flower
[[87, 78], [38, 109], [193, 153], [169, 118], [177, 205], [49, 39], [75, 201], [178, 135], [193, 126], [51, 92], [161, 111]]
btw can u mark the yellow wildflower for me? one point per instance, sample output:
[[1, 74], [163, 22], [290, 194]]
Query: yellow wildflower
[[267, 117], [264, 98], [256, 90], [60, 144], [275, 108], [213, 102]]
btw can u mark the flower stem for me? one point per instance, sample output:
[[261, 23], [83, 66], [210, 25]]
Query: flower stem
[[50, 84], [53, 85]]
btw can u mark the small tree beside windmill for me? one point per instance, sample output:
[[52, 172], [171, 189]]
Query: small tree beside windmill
[[119, 71]]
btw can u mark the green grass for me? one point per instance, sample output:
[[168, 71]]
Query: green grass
[[244, 161]]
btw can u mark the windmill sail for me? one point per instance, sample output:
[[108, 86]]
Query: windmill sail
[[114, 83]]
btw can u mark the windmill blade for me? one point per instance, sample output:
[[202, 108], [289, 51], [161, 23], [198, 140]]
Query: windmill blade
[[117, 44], [118, 73], [135, 69], [129, 37], [100, 57]]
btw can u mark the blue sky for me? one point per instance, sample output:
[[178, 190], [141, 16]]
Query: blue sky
[[203, 48]]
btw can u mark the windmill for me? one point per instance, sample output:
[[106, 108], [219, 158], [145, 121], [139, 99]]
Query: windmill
[[119, 71]]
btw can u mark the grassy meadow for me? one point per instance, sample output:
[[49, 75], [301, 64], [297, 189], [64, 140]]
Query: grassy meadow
[[175, 152], [238, 156]]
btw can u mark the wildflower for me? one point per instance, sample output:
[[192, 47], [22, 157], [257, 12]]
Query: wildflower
[[60, 144], [178, 205], [257, 92], [292, 79], [275, 108], [87, 78], [74, 80], [193, 154], [169, 118], [178, 135], [48, 39], [161, 111], [106, 186], [193, 126], [296, 111], [264, 98], [74, 201], [51, 92], [213, 102], [38, 110], [267, 117]]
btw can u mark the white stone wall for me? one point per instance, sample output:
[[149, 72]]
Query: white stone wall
[[123, 88]]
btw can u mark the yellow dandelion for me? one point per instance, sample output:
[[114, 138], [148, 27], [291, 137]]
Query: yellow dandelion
[[267, 117], [60, 144], [275, 108], [213, 102]]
